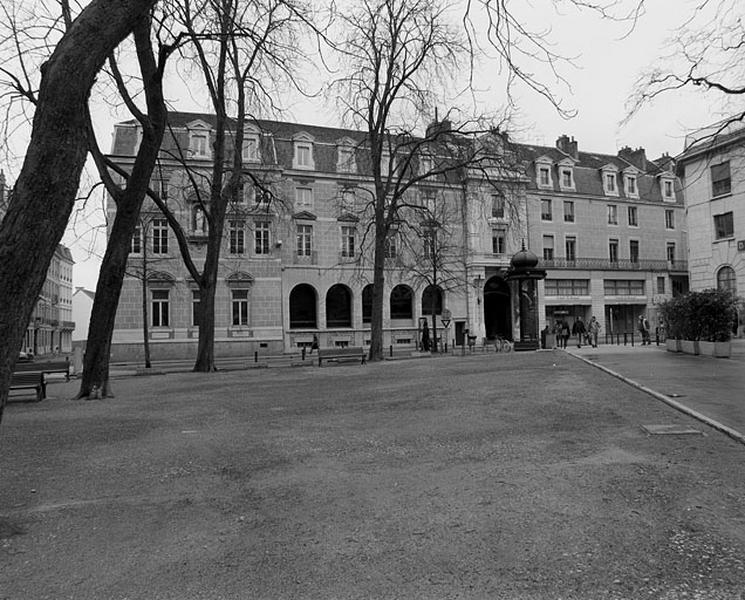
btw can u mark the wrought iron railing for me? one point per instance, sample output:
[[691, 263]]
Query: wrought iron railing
[[616, 265]]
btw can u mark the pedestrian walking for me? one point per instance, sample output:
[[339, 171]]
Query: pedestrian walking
[[565, 333], [644, 330], [579, 330], [593, 329]]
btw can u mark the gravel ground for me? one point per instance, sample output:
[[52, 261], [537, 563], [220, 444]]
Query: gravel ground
[[523, 476]]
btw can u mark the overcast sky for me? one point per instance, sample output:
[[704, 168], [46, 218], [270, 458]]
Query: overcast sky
[[608, 60]]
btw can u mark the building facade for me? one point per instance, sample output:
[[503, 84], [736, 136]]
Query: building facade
[[296, 260], [712, 169], [611, 232], [51, 326]]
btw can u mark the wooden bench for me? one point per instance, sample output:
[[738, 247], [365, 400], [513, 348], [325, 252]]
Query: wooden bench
[[30, 381], [341, 354], [47, 366]]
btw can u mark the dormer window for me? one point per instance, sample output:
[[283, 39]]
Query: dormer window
[[610, 178], [543, 173], [345, 162], [630, 183], [425, 164], [199, 143], [303, 157], [567, 181], [250, 146], [668, 190]]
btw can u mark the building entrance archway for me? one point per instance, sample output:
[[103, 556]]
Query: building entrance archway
[[497, 309]]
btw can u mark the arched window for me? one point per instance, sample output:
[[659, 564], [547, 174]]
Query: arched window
[[401, 297], [303, 307], [338, 306], [727, 280], [367, 302], [432, 293]]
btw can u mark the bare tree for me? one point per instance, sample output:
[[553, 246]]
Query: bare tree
[[46, 188], [393, 52]]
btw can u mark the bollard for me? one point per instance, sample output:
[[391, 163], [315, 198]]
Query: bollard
[[625, 338], [390, 350], [256, 356], [446, 347], [632, 339], [303, 352]]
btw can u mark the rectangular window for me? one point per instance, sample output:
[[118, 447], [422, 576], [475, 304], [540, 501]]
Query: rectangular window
[[429, 240], [348, 235], [261, 237], [160, 236], [634, 251], [237, 237], [624, 287], [198, 144], [667, 189], [163, 189], [610, 182], [660, 285], [304, 239], [160, 308], [195, 308], [631, 185], [390, 247], [724, 226], [347, 201], [303, 153], [425, 164], [497, 206], [669, 219], [544, 176], [566, 178], [240, 307], [498, 241], [304, 198], [346, 160], [546, 214], [429, 204], [670, 248], [613, 251], [570, 248], [633, 216], [250, 148], [548, 247], [135, 246], [567, 287], [568, 211], [721, 183], [612, 214]]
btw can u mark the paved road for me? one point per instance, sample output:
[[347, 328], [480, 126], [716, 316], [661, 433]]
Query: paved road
[[714, 387]]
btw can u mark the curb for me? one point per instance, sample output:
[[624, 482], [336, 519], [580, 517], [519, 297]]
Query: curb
[[732, 433]]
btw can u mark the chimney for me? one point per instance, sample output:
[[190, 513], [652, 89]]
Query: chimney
[[637, 157], [568, 146], [439, 127]]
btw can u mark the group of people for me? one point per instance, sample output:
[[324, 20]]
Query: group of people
[[585, 333]]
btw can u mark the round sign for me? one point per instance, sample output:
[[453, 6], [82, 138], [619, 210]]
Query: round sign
[[445, 315]]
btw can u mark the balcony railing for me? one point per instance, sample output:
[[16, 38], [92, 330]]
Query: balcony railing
[[615, 265]]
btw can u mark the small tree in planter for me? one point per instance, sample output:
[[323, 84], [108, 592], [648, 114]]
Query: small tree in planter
[[672, 312], [702, 321]]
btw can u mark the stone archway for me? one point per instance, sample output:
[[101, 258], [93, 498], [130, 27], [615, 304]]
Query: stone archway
[[497, 308]]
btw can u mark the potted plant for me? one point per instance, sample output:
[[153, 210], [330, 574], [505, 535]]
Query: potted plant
[[716, 314], [670, 311]]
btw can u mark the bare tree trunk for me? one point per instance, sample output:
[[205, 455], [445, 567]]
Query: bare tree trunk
[[45, 192], [205, 361], [376, 321], [145, 329]]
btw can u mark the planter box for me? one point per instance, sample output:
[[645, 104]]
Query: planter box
[[716, 349], [689, 346], [673, 345]]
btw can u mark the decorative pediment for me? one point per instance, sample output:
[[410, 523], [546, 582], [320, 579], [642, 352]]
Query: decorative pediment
[[567, 162], [348, 218], [609, 167], [346, 142], [198, 124], [304, 215], [239, 279], [544, 159], [631, 170], [303, 136], [160, 277]]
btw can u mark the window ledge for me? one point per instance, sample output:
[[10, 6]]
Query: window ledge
[[724, 239], [720, 196]]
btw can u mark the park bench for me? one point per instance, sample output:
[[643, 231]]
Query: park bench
[[338, 354], [30, 381], [47, 366]]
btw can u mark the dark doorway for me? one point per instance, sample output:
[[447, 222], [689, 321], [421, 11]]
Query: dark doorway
[[303, 307], [338, 306], [497, 307], [460, 327]]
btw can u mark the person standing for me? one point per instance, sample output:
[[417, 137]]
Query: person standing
[[593, 328], [579, 330], [644, 330], [314, 344], [565, 333]]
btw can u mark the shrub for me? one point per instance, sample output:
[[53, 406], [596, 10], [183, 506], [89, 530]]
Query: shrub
[[707, 315]]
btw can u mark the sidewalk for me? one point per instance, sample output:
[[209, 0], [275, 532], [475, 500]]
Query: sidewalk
[[712, 387]]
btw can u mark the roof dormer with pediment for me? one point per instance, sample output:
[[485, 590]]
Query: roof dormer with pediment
[[566, 174], [609, 174], [543, 172], [631, 181], [302, 156], [667, 186]]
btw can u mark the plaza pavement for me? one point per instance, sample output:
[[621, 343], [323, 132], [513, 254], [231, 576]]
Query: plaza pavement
[[709, 389]]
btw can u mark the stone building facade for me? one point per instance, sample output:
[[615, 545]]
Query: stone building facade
[[712, 169], [297, 258]]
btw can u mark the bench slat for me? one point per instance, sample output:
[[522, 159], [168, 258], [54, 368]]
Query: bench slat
[[337, 353]]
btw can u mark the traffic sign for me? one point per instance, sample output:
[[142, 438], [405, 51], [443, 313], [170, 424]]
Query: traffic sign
[[446, 323]]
